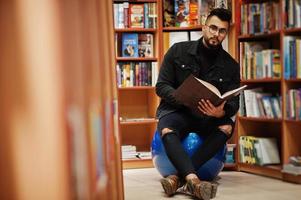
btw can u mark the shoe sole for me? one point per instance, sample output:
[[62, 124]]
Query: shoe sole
[[167, 187], [213, 190], [204, 191]]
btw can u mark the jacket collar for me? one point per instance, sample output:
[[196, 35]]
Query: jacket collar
[[193, 50]]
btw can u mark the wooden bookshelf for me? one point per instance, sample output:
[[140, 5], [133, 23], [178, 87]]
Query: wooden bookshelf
[[285, 130]]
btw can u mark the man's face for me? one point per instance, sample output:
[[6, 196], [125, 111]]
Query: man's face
[[215, 31]]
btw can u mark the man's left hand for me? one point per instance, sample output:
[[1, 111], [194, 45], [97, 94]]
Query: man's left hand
[[207, 108]]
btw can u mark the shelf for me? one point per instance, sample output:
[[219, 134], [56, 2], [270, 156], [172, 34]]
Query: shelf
[[259, 35], [137, 88], [139, 59], [142, 30], [263, 80], [260, 119], [137, 163], [136, 1], [270, 170], [229, 166], [293, 80], [293, 121], [193, 28], [292, 30], [138, 122]]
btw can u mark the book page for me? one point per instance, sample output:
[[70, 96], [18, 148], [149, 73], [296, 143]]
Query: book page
[[233, 91], [210, 87]]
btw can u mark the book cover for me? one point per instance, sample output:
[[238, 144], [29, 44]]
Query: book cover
[[181, 13], [192, 90], [136, 15], [145, 45], [130, 45]]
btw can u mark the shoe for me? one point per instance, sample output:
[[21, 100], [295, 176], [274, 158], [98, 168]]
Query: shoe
[[213, 190], [170, 184], [200, 189]]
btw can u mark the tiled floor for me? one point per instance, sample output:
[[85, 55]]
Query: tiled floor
[[144, 184]]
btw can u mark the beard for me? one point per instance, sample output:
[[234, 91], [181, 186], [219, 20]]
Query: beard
[[212, 42]]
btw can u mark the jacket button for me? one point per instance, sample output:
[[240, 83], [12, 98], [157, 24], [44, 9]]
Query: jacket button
[[183, 66], [220, 80]]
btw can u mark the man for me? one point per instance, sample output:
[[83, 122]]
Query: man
[[207, 60]]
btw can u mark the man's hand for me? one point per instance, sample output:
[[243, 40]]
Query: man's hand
[[207, 108]]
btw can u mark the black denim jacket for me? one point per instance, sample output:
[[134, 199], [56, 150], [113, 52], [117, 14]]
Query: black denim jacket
[[180, 61]]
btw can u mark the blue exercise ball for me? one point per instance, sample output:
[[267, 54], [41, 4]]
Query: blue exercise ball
[[191, 143]]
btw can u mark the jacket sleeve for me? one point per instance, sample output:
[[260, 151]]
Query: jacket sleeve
[[166, 79], [231, 107]]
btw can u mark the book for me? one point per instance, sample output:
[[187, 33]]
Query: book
[[129, 45], [136, 15], [192, 90]]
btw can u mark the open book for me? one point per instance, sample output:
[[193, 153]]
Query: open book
[[193, 90]]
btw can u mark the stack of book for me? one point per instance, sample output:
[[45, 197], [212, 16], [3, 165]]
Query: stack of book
[[129, 152], [230, 156], [294, 166]]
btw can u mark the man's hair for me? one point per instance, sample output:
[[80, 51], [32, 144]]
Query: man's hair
[[222, 13]]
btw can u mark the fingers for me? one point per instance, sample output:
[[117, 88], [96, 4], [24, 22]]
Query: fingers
[[205, 107]]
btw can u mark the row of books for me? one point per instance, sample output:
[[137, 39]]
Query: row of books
[[293, 102], [136, 74], [292, 57], [130, 152], [256, 103], [258, 62], [260, 17], [185, 13], [135, 45], [128, 15], [292, 13], [258, 150]]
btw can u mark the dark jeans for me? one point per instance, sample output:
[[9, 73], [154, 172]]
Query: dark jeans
[[182, 123]]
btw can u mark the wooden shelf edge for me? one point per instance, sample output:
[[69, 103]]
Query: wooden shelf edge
[[293, 80], [259, 119], [269, 171], [259, 35], [193, 28], [142, 30], [292, 178], [263, 80], [137, 163], [138, 122], [292, 30], [139, 59], [137, 88]]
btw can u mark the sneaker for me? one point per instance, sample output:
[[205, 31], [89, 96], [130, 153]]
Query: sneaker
[[170, 184], [200, 189]]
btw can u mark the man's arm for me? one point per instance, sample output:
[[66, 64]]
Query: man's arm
[[166, 79]]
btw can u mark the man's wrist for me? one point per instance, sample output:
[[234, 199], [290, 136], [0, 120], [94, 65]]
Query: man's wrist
[[222, 114]]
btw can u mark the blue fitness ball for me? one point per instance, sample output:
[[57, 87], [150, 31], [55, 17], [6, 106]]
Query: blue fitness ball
[[191, 143]]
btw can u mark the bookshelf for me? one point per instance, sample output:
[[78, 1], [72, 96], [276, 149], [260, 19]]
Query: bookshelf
[[60, 136], [284, 129], [137, 104]]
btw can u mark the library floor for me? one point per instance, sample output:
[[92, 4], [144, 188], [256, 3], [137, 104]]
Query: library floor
[[144, 183]]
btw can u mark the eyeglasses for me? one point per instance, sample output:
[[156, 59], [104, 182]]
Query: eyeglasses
[[214, 29]]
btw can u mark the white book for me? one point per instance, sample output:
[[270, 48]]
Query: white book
[[269, 151]]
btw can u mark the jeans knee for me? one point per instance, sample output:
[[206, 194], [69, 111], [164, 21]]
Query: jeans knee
[[166, 131], [227, 129]]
